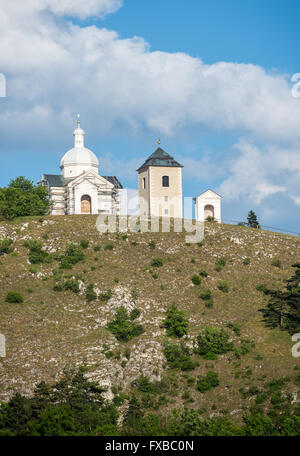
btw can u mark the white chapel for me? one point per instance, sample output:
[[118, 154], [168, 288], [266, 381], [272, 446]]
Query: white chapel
[[79, 189]]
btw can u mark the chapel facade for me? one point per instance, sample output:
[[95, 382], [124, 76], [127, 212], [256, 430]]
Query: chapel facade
[[79, 189]]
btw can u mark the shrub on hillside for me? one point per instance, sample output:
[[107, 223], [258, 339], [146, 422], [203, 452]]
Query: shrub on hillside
[[196, 280], [246, 261], [176, 322], [90, 293], [84, 244], [157, 262], [152, 245], [6, 246], [72, 255], [213, 340], [72, 285], [203, 273], [178, 356], [207, 382], [276, 262], [122, 327], [97, 248], [105, 295], [109, 246], [36, 253], [135, 313], [223, 286], [14, 297], [220, 264], [205, 295]]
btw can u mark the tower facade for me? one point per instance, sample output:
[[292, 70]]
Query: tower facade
[[160, 186]]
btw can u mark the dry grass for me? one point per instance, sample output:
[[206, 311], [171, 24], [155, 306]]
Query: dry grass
[[53, 329]]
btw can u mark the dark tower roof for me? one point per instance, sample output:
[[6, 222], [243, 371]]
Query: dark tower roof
[[160, 158]]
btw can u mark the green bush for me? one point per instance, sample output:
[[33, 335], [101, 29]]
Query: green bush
[[14, 297], [205, 295], [157, 262], [36, 253], [213, 340], [220, 264], [203, 273], [90, 293], [297, 379], [223, 286], [58, 287], [178, 356], [245, 347], [6, 246], [196, 279], [236, 328], [176, 322], [200, 244], [122, 327], [109, 246], [33, 269], [72, 255], [135, 313], [22, 198], [105, 295], [72, 285], [97, 248], [152, 245], [246, 261], [209, 303], [207, 382], [84, 244], [276, 262]]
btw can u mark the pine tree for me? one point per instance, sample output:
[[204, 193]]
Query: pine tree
[[252, 221], [283, 309]]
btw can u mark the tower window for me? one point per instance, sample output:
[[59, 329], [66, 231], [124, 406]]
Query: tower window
[[165, 181], [166, 198], [144, 182], [166, 211]]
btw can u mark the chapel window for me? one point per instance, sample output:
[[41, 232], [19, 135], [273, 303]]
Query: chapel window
[[165, 181]]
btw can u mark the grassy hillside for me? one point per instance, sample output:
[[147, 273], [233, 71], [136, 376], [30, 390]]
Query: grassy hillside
[[52, 330]]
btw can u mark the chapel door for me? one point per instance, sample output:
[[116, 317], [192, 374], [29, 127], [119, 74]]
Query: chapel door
[[209, 211], [86, 204]]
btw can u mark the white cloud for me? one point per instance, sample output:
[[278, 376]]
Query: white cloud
[[55, 69], [75, 8], [256, 173], [63, 67]]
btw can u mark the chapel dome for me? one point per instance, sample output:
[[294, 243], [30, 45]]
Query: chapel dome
[[79, 155]]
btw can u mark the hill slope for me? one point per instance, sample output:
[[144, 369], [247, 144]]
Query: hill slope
[[55, 329]]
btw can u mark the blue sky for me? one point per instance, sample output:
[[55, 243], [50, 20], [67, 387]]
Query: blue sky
[[211, 78]]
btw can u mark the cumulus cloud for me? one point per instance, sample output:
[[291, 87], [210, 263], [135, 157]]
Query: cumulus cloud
[[256, 173], [55, 68], [57, 65]]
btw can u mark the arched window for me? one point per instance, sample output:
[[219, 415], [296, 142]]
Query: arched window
[[86, 204], [165, 181]]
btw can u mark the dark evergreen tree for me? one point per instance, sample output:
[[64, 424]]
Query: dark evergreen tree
[[252, 221], [283, 309]]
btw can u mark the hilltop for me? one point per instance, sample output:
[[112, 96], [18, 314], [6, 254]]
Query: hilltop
[[55, 329]]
